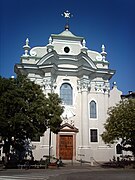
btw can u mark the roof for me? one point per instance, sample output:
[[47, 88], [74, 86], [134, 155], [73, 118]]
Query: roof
[[66, 34]]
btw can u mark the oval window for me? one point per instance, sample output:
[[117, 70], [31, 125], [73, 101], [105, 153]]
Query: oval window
[[66, 49]]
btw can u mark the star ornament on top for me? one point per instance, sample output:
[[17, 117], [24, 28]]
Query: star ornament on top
[[67, 14]]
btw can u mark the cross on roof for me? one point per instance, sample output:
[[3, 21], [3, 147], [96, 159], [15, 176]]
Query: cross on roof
[[67, 15]]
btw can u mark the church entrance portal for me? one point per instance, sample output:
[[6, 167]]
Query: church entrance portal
[[66, 147], [66, 142]]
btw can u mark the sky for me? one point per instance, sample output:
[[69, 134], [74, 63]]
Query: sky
[[108, 22]]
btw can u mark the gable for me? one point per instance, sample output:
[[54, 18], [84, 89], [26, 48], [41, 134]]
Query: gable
[[67, 60], [68, 128]]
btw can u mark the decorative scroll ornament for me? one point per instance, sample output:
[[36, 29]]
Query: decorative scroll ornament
[[102, 87], [83, 84], [49, 83]]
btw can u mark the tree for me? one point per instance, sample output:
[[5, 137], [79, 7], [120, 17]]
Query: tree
[[54, 111], [120, 125], [25, 112]]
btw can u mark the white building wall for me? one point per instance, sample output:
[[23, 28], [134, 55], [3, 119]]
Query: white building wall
[[115, 96], [74, 47], [79, 68]]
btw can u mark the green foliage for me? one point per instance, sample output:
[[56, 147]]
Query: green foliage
[[120, 125], [55, 110], [22, 108], [25, 112]]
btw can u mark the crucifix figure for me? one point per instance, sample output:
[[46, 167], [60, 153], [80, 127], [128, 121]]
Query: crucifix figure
[[67, 15]]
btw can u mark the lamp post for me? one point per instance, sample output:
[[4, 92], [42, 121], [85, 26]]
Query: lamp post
[[49, 145], [50, 115], [49, 139]]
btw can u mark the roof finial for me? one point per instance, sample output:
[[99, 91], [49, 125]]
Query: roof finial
[[83, 43], [67, 15], [103, 53], [114, 84], [26, 47], [27, 42], [50, 40], [103, 48]]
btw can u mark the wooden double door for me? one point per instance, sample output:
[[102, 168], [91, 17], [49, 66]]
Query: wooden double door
[[66, 147]]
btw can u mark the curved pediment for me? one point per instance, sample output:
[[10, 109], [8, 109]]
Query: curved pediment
[[95, 56], [86, 61], [68, 128], [49, 58], [68, 61]]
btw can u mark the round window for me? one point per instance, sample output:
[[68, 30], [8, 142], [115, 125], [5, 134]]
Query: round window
[[66, 49]]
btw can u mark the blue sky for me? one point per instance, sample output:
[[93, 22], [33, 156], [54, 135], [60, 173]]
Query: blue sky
[[109, 22]]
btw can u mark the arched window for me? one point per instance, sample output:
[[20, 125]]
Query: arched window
[[93, 109], [66, 94]]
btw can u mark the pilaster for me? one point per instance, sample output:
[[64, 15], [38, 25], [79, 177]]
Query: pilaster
[[84, 87], [49, 85]]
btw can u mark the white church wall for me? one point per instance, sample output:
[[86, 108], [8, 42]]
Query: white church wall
[[115, 95], [87, 73], [73, 46]]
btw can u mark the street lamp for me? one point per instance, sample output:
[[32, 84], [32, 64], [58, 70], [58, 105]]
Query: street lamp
[[49, 145], [50, 115]]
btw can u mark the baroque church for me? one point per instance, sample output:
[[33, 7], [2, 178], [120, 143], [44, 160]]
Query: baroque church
[[81, 78]]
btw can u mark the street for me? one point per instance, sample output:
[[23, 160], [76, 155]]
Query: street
[[68, 173], [98, 175]]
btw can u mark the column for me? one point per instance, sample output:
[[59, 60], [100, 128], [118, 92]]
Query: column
[[84, 112]]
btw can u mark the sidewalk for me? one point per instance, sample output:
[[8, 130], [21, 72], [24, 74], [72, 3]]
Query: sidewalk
[[66, 166]]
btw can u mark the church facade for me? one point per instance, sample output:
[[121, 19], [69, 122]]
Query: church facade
[[81, 78]]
